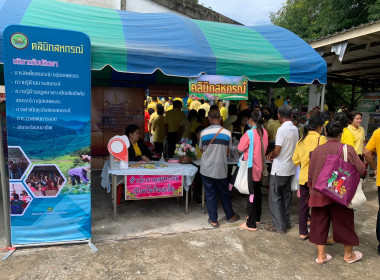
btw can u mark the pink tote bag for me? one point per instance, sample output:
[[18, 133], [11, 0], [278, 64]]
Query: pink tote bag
[[338, 179]]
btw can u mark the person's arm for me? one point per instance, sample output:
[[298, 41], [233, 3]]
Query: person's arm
[[355, 160], [244, 143], [275, 153], [369, 156], [296, 156], [278, 146], [145, 152]]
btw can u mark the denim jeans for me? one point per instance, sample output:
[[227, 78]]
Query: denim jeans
[[378, 221], [214, 187]]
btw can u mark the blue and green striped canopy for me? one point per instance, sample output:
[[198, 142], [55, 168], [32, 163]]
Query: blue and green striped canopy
[[178, 46]]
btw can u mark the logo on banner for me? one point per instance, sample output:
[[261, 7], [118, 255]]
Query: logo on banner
[[19, 41]]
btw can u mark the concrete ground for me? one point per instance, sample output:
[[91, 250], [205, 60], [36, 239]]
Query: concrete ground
[[155, 239]]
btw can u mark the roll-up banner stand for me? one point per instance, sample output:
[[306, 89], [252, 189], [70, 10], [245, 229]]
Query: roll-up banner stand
[[48, 108]]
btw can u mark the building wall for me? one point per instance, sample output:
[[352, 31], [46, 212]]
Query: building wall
[[180, 7], [147, 6]]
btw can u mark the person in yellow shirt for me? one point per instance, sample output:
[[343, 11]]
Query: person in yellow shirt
[[279, 102], [173, 119], [223, 110], [152, 104], [372, 148], [347, 136], [311, 139], [195, 105], [205, 106], [137, 150], [355, 119], [159, 132]]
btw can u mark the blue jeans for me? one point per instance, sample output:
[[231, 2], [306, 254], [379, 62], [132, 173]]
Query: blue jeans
[[212, 188], [378, 221]]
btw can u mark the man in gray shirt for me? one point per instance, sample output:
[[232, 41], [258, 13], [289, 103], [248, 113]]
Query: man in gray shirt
[[216, 142]]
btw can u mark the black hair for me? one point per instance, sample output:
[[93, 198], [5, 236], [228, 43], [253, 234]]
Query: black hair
[[201, 115], [214, 107], [333, 129], [285, 111], [177, 104], [342, 118], [150, 111], [130, 129], [16, 196], [232, 109], [315, 121], [353, 114], [192, 114], [160, 111], [159, 105], [256, 117]]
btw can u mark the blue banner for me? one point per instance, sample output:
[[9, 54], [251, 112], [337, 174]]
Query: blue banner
[[48, 108]]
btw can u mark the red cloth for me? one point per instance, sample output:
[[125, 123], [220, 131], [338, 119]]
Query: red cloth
[[146, 121], [317, 161], [343, 227]]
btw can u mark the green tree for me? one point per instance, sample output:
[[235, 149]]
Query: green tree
[[312, 19]]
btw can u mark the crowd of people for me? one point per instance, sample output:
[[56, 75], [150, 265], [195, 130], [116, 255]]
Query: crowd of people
[[282, 141], [44, 183]]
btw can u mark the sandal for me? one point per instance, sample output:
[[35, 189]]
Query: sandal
[[304, 237], [358, 257], [214, 225], [244, 226], [273, 229], [328, 258], [235, 217]]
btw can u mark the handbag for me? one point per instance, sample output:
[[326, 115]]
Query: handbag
[[338, 179], [359, 197], [243, 180], [294, 184]]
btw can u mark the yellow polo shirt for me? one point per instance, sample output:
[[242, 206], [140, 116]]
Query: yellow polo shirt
[[301, 154], [158, 129], [205, 106], [373, 145], [173, 119], [347, 137], [195, 105], [224, 113], [359, 138], [271, 126]]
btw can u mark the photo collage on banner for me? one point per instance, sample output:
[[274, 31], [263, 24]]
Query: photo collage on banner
[[48, 111]]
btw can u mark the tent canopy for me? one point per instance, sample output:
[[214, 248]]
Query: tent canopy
[[178, 46]]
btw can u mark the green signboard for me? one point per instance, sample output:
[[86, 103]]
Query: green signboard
[[211, 87]]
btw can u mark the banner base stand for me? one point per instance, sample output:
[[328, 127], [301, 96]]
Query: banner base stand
[[85, 241], [93, 247], [7, 255]]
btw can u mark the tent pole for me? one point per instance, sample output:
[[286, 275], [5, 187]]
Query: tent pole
[[5, 191], [323, 97]]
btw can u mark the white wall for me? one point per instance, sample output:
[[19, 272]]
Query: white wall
[[111, 4], [147, 6], [2, 89]]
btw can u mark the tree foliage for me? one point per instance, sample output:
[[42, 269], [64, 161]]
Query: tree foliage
[[312, 19]]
